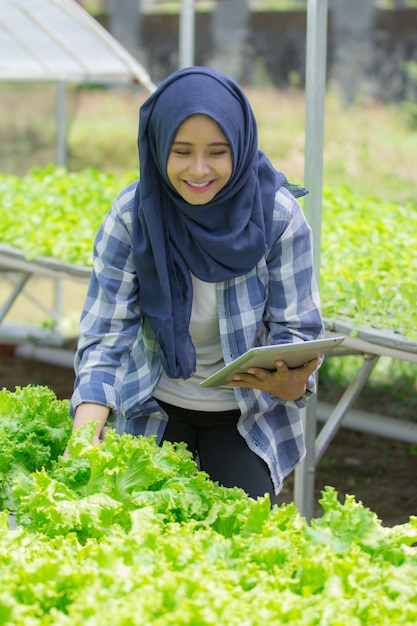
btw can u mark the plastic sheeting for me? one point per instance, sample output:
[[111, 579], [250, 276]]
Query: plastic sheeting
[[57, 40]]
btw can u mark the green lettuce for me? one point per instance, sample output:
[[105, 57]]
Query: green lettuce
[[132, 533], [121, 475], [162, 572], [34, 429]]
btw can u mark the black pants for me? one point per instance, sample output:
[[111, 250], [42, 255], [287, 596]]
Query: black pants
[[221, 450]]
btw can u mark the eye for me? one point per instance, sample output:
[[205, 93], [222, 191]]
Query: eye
[[219, 152], [181, 152]]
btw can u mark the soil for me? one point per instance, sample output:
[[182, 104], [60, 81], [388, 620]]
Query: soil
[[379, 472]]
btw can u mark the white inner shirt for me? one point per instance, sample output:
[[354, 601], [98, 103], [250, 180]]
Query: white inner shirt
[[205, 334]]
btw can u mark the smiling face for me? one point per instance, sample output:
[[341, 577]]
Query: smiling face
[[200, 160]]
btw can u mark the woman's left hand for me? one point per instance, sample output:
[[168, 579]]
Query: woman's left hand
[[287, 384]]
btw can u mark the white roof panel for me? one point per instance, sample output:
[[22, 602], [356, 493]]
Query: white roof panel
[[59, 40]]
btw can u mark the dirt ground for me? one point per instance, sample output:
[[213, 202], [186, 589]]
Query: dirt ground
[[379, 472]]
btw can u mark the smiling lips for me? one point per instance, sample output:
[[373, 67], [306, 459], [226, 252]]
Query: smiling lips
[[198, 187]]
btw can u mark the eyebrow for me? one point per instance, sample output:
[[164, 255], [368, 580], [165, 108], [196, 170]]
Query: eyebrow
[[189, 143]]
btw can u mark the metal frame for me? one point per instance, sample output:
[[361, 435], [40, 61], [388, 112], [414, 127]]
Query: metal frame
[[316, 47], [316, 445], [14, 261], [315, 90], [373, 345], [186, 34]]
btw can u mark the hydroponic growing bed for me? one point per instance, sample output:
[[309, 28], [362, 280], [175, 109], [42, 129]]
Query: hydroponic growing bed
[[368, 259]]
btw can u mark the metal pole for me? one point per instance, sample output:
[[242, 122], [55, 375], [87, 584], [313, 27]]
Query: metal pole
[[12, 298], [348, 398], [314, 122], [186, 34], [304, 474], [58, 304], [316, 47], [61, 130]]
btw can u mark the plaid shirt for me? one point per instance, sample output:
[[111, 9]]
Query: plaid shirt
[[117, 361]]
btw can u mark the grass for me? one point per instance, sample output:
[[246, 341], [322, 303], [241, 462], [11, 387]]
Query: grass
[[369, 147], [209, 5]]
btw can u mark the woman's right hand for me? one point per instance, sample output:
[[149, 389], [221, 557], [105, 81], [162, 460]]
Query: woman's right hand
[[91, 412]]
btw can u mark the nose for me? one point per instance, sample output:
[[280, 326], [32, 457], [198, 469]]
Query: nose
[[198, 165]]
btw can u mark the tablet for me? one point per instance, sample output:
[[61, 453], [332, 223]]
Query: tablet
[[293, 354]]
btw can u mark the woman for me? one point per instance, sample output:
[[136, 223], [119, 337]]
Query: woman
[[206, 256]]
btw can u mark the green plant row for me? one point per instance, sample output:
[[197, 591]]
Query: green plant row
[[55, 213], [129, 533], [368, 259], [34, 430]]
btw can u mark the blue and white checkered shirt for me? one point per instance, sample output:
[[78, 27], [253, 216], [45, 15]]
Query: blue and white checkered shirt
[[117, 363]]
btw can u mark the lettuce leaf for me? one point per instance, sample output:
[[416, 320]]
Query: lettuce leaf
[[164, 545], [34, 429]]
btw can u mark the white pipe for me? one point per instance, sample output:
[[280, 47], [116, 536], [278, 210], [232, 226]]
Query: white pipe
[[61, 124], [17, 333], [186, 34], [372, 423], [315, 89], [54, 356], [316, 50]]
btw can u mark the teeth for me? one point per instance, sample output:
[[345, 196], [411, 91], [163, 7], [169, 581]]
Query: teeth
[[198, 185]]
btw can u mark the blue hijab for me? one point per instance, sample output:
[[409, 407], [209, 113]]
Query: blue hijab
[[217, 241]]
